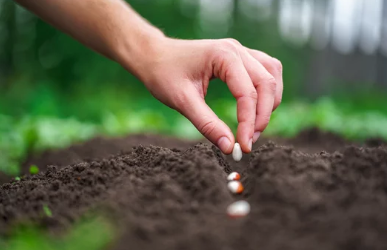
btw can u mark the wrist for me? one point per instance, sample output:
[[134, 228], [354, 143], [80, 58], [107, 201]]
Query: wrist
[[140, 51]]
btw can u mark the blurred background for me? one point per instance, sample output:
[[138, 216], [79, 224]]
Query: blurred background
[[54, 91]]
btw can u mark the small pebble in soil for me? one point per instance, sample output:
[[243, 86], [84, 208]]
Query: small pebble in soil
[[235, 187], [237, 152], [234, 176], [238, 209]]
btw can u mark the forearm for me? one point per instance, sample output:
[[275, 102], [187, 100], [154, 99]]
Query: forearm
[[110, 27]]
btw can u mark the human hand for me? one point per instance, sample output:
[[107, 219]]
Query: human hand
[[178, 72]]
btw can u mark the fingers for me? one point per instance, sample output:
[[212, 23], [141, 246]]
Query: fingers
[[255, 80], [230, 69], [274, 67], [265, 85], [207, 122]]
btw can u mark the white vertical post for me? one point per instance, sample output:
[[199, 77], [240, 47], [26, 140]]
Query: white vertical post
[[295, 20], [371, 26], [345, 24]]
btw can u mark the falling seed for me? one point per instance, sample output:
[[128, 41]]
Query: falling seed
[[238, 209], [237, 152], [234, 176], [235, 187]]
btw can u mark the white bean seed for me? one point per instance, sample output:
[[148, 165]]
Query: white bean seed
[[235, 187], [234, 176], [238, 209], [237, 152]]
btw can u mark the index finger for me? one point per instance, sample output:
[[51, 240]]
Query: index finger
[[231, 70]]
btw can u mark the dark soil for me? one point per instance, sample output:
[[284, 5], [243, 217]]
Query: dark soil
[[319, 194]]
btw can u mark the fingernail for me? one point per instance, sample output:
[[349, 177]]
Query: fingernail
[[256, 136], [224, 144], [250, 144]]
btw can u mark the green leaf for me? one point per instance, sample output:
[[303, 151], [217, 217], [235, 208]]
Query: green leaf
[[34, 169], [47, 211]]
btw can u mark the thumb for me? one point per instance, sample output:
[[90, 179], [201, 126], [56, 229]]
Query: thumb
[[208, 123]]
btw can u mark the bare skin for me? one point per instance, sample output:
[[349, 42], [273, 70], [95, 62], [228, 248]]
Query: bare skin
[[176, 72]]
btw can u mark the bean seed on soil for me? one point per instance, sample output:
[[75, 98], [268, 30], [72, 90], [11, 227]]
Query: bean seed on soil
[[234, 176], [238, 209], [237, 152], [235, 187], [190, 176]]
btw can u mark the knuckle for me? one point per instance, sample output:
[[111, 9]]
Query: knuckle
[[207, 127], [277, 64], [224, 55], [252, 94], [222, 65], [270, 84], [233, 41], [226, 45], [224, 61]]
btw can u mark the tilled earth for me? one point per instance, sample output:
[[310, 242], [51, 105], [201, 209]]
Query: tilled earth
[[315, 191]]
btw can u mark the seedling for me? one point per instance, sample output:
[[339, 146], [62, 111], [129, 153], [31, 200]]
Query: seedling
[[47, 211], [34, 169], [17, 178]]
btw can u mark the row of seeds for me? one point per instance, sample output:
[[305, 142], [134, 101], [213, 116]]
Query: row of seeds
[[239, 208]]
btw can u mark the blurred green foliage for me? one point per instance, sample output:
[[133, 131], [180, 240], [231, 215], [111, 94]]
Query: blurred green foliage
[[34, 169], [288, 120], [94, 233]]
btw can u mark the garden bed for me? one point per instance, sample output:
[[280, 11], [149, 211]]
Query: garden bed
[[314, 191]]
